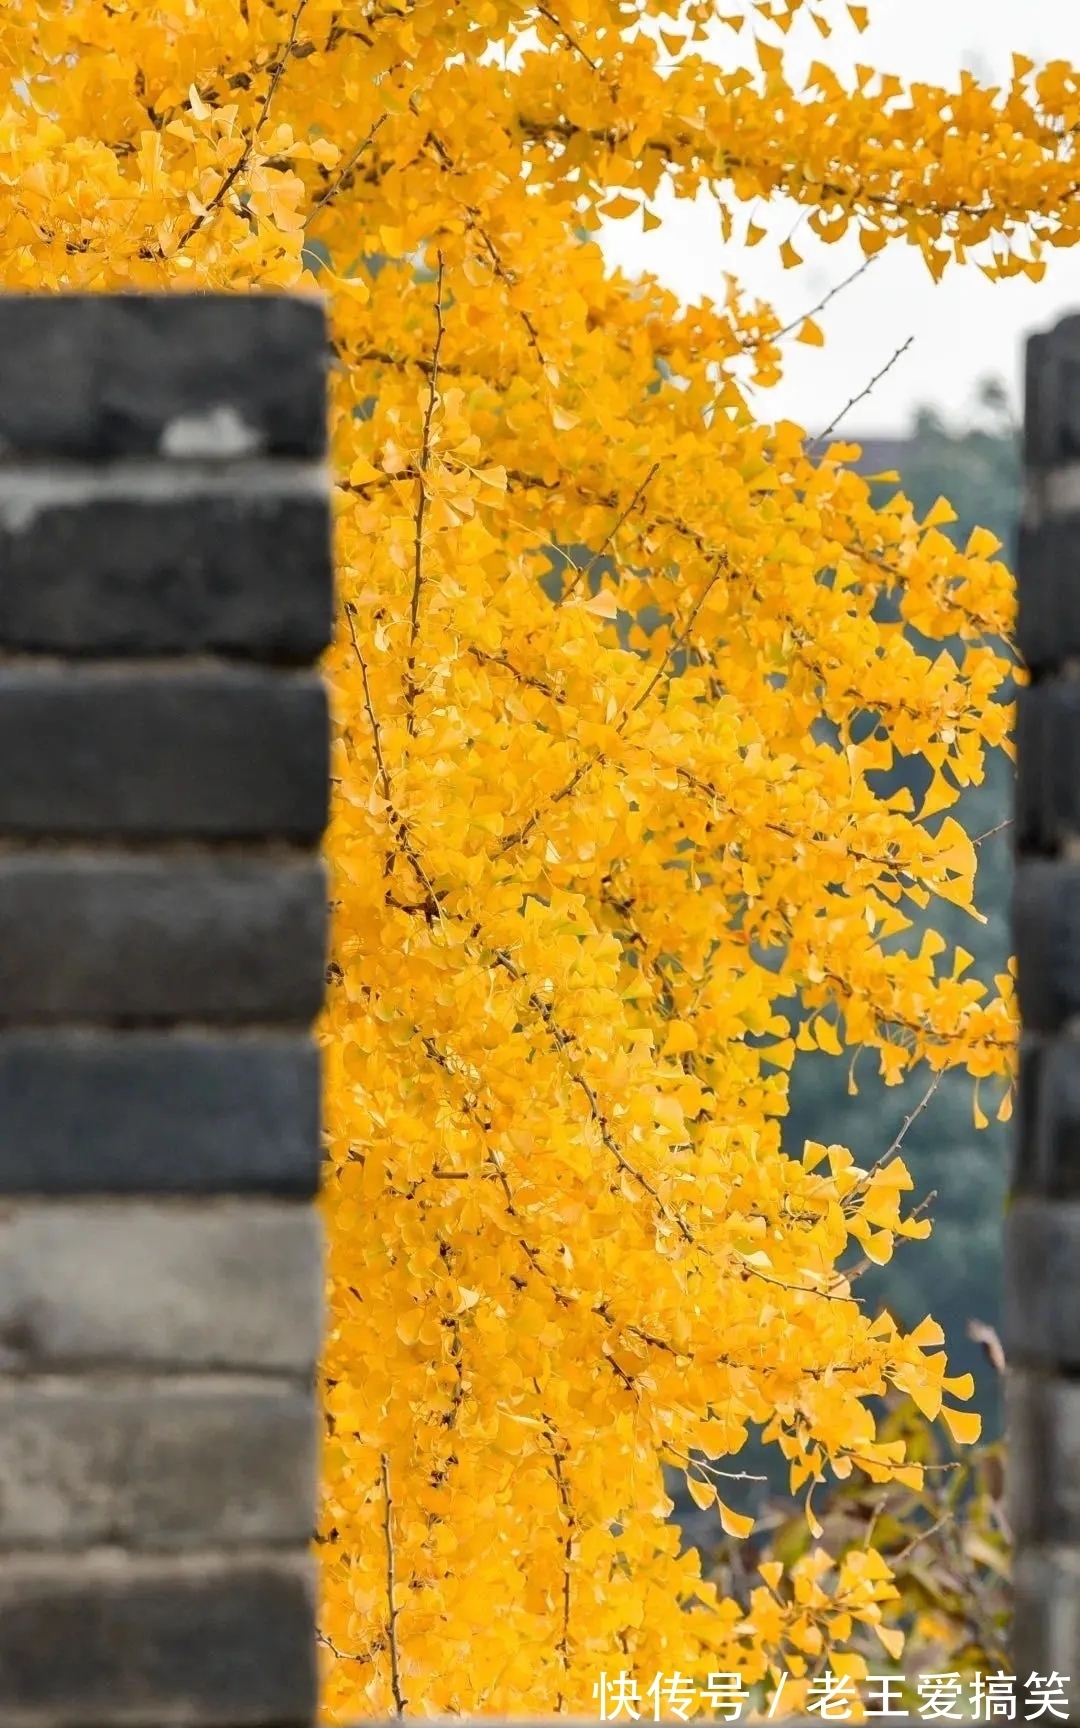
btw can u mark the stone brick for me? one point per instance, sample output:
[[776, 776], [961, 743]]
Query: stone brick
[[187, 1462], [174, 1112], [1052, 395], [1046, 938], [149, 374], [204, 751], [239, 569], [1042, 1284], [111, 1638], [1048, 614], [111, 937], [225, 1285], [1046, 1620], [1047, 751], [1043, 1425], [1046, 1135]]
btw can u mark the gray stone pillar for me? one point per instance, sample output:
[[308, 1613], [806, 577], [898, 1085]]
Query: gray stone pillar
[[1042, 1249], [165, 588]]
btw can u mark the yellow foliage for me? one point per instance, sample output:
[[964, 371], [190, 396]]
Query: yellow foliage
[[603, 851]]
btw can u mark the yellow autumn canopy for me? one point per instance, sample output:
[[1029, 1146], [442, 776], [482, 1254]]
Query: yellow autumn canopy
[[605, 850]]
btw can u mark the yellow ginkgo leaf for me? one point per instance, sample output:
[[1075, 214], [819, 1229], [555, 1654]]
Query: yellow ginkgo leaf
[[965, 1426], [734, 1523], [703, 1494]]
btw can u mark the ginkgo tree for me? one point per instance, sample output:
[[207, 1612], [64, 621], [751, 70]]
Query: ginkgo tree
[[606, 847]]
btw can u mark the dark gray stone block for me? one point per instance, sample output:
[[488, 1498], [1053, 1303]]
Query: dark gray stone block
[[115, 1638], [127, 938], [207, 752], [1045, 1635], [1047, 752], [1048, 586], [1042, 1284], [1052, 395], [1046, 1135], [176, 1112], [224, 1284], [102, 376], [162, 1465], [1046, 938], [1042, 1418], [244, 572]]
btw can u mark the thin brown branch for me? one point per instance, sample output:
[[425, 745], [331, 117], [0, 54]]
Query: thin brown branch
[[571, 42], [562, 1041], [431, 906], [797, 323], [905, 1553], [391, 1586], [563, 1645], [587, 570], [862, 395], [674, 646], [564, 792], [595, 761], [909, 1120], [343, 179], [411, 688], [990, 832], [526, 678], [864, 1265], [243, 161]]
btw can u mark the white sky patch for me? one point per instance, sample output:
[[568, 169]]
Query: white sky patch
[[964, 327]]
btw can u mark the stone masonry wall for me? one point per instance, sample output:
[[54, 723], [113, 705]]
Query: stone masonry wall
[[1042, 1253], [165, 589]]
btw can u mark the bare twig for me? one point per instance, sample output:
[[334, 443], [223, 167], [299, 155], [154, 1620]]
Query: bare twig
[[861, 397], [392, 1613], [990, 832], [797, 323], [911, 1117]]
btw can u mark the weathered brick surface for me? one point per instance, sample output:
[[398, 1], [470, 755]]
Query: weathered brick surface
[[116, 1638], [1048, 622], [134, 375], [1046, 937], [1052, 396], [229, 1285], [1042, 1284], [205, 751], [243, 571], [1043, 1424], [1048, 750], [112, 937], [1046, 1135], [178, 1463], [1046, 1617], [99, 1112]]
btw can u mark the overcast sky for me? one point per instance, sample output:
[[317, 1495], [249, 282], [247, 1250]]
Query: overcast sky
[[963, 328]]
